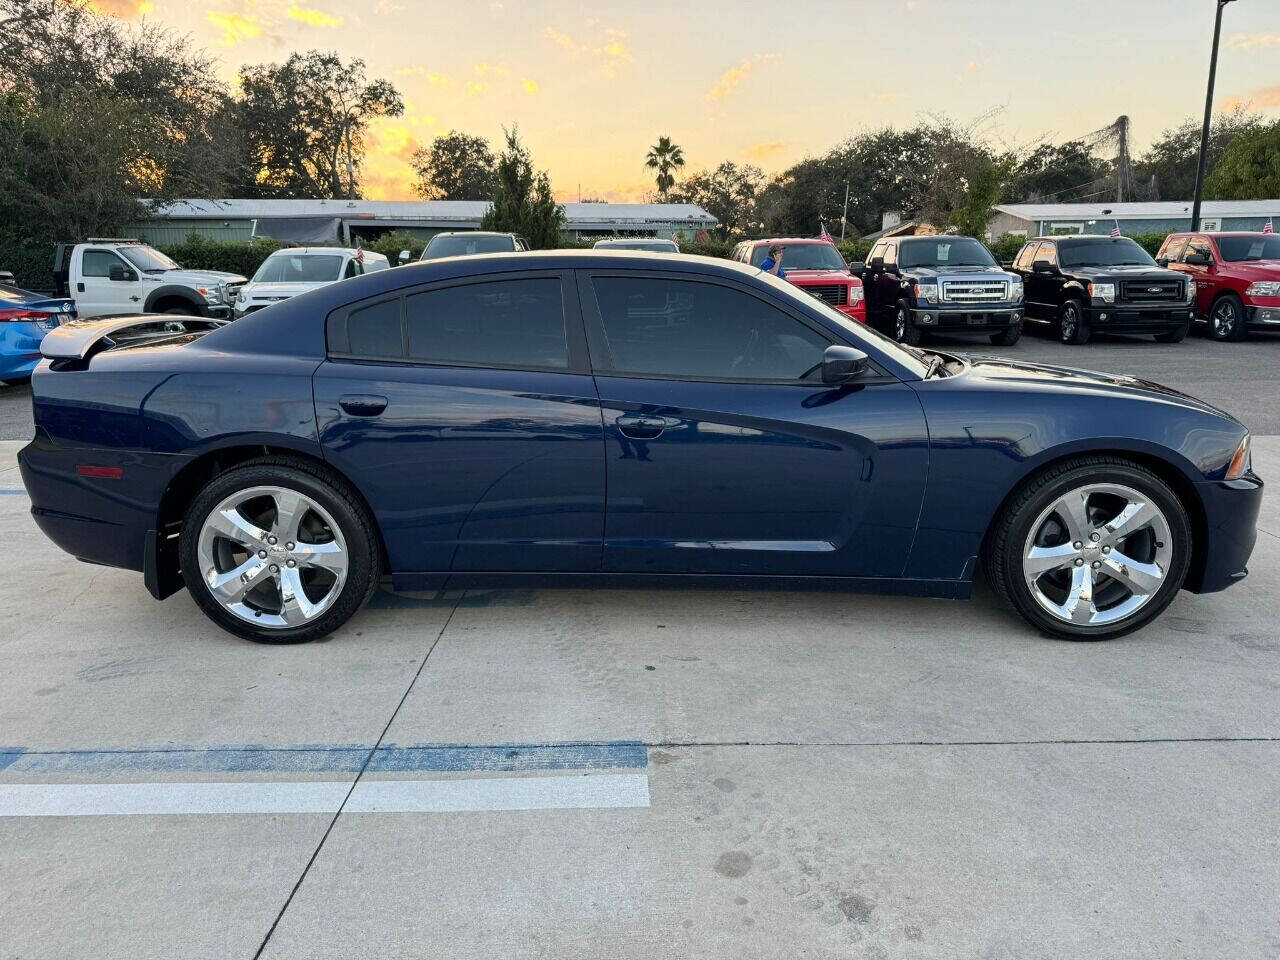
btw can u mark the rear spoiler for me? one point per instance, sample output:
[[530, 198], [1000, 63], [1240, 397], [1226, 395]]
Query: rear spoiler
[[76, 339]]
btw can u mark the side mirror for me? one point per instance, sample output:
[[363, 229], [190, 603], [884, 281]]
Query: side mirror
[[404, 256], [856, 268], [1162, 261], [1198, 259], [1043, 266], [841, 364], [119, 273]]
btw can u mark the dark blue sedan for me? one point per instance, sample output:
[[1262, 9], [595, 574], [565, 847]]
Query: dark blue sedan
[[619, 419], [25, 318]]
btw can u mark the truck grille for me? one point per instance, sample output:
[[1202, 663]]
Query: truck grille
[[1150, 289], [836, 294], [975, 291]]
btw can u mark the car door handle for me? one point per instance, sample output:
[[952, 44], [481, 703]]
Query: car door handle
[[362, 404], [640, 427]]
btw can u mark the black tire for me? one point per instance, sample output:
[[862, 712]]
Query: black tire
[[904, 327], [1008, 336], [180, 311], [348, 512], [1072, 325], [1226, 318], [16, 382], [1002, 553], [1174, 336]]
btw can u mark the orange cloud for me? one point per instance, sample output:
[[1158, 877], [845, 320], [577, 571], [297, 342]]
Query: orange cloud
[[610, 50], [1264, 98], [235, 27], [124, 9], [530, 86], [731, 78], [762, 151], [1252, 41], [312, 18]]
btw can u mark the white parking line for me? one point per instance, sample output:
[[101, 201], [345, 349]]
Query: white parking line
[[370, 796]]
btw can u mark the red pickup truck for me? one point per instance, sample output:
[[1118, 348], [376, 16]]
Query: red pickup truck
[[816, 267], [1237, 279]]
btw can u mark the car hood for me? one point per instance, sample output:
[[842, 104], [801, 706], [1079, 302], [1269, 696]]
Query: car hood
[[282, 290], [956, 271], [1125, 273], [1251, 269], [197, 277], [1002, 371]]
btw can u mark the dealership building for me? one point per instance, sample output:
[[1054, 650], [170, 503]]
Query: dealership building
[[343, 221], [1163, 216]]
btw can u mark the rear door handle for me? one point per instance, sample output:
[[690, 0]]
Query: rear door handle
[[362, 404], [640, 427]]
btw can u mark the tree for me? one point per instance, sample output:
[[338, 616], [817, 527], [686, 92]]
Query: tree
[[455, 167], [1249, 168], [306, 119], [728, 193], [1171, 161], [664, 157], [522, 202], [1061, 173]]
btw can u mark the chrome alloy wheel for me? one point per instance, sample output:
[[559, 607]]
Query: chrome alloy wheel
[[900, 325], [1224, 319], [1098, 554], [272, 556]]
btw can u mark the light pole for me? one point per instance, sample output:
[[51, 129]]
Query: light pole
[[1208, 118]]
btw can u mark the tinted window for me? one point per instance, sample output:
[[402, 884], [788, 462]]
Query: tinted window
[[1104, 252], [98, 263], [890, 254], [876, 251], [945, 252], [299, 268], [1024, 258], [1173, 249], [653, 246], [682, 328], [375, 331], [462, 245], [1047, 252], [1235, 249], [802, 256], [516, 323]]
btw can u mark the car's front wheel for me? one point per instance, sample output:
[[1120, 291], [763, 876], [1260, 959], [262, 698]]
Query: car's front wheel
[[904, 328], [1176, 335], [277, 551], [1091, 548], [1072, 326], [1226, 319], [1008, 336]]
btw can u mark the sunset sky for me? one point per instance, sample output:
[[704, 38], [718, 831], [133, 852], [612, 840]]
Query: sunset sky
[[592, 85]]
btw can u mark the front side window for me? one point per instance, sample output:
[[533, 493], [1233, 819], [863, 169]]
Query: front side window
[[1173, 249], [299, 268], [1025, 256], [692, 330], [98, 263], [1047, 252], [1201, 246], [946, 252], [1105, 252], [1236, 249], [500, 323]]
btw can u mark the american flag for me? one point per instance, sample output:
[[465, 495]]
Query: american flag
[[359, 257], [1267, 227], [823, 235], [1115, 231]]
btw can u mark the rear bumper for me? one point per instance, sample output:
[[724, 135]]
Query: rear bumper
[[976, 319], [1231, 518], [19, 349], [1128, 319]]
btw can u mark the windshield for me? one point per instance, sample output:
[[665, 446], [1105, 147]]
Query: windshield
[[464, 246], [656, 246], [299, 268], [944, 252], [1235, 249], [148, 259], [1103, 252], [802, 256]]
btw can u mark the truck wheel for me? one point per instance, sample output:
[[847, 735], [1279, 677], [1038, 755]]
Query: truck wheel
[[180, 311], [1008, 336], [1072, 326], [1226, 318], [904, 328], [1176, 335]]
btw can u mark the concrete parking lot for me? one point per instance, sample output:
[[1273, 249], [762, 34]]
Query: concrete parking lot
[[648, 774]]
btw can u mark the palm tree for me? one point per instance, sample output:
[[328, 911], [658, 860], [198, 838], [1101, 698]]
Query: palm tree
[[665, 157]]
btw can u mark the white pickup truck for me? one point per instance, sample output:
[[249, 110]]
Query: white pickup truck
[[114, 276]]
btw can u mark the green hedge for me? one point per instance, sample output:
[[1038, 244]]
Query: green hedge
[[30, 263], [197, 253]]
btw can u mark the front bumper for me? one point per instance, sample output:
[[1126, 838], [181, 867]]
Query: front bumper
[[218, 311], [1263, 312], [1130, 318], [858, 311], [974, 318], [1231, 520]]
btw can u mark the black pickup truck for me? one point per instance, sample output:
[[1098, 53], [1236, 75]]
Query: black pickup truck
[[949, 284], [1084, 284]]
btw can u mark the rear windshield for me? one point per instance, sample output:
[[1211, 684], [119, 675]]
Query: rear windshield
[[802, 256], [465, 246], [655, 246], [944, 252], [12, 294], [1236, 249], [1103, 252], [299, 268]]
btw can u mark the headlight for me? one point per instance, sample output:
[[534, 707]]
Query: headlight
[[1015, 290], [926, 291], [1106, 292], [856, 294], [240, 297], [1191, 290], [1263, 288], [1241, 461]]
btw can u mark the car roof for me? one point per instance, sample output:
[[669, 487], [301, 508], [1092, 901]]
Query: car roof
[[933, 236], [324, 251], [625, 240], [1220, 233], [1080, 236], [758, 243]]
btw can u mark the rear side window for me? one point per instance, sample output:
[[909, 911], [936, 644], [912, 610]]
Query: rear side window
[[374, 331], [691, 330], [501, 323]]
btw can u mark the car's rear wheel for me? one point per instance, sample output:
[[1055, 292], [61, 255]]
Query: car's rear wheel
[[904, 328], [1090, 549], [1226, 318], [277, 551], [1072, 326]]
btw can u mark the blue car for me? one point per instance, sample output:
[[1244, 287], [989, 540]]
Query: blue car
[[25, 318], [611, 418]]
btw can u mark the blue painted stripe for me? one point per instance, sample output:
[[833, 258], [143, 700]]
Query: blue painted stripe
[[391, 758], [13, 491]]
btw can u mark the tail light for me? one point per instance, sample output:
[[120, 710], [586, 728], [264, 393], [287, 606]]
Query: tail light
[[22, 315]]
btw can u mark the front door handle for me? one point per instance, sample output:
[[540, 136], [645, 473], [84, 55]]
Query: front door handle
[[362, 404], [640, 427]]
